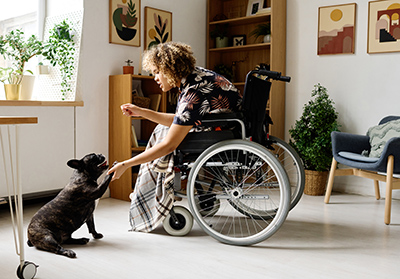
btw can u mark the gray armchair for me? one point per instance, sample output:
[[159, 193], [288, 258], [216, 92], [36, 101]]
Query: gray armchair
[[347, 150]]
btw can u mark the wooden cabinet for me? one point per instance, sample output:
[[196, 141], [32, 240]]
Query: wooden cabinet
[[120, 126], [244, 58]]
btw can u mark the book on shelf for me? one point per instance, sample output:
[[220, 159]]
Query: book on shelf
[[155, 100], [134, 138]]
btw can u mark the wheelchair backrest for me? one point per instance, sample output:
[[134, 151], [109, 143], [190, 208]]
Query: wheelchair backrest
[[255, 98]]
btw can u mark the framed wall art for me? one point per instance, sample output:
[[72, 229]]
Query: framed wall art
[[336, 29], [157, 26], [124, 22], [383, 26]]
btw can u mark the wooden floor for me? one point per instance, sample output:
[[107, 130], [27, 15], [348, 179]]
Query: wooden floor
[[344, 239]]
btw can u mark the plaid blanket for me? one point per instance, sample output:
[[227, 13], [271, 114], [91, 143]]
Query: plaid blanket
[[153, 196]]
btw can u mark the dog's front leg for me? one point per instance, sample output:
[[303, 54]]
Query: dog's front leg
[[101, 189], [92, 230]]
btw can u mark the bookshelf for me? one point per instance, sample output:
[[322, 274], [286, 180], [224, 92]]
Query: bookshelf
[[120, 127]]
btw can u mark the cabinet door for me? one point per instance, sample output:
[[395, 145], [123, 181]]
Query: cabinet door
[[43, 148]]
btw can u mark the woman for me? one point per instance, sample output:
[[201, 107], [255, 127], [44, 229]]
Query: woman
[[201, 91]]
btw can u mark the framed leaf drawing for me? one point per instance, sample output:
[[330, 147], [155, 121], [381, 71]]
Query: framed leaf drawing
[[124, 22], [336, 26], [157, 26], [383, 26]]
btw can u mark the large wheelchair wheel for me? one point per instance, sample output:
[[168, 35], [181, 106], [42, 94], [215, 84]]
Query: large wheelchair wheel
[[251, 187], [292, 164]]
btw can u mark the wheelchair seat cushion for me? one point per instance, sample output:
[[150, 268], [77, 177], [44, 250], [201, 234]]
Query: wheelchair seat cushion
[[357, 157], [198, 142], [380, 134]]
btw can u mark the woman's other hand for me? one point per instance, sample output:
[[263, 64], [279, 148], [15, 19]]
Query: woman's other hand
[[130, 110]]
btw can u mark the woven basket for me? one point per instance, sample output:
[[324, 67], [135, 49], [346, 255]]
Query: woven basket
[[315, 182], [142, 102]]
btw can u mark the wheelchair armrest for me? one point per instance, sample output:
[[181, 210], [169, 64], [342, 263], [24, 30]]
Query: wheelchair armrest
[[349, 142], [218, 119]]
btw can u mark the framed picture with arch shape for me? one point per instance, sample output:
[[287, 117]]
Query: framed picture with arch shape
[[383, 26], [336, 29]]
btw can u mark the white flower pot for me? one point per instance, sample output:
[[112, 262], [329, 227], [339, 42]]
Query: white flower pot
[[27, 84], [267, 39], [221, 42]]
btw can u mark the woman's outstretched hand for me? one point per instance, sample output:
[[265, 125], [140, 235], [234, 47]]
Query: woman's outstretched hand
[[130, 110], [118, 170]]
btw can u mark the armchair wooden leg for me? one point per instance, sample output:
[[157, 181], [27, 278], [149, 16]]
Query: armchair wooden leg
[[389, 181], [330, 180], [377, 192]]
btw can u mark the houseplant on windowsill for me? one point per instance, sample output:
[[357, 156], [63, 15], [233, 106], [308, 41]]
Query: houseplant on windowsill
[[220, 35], [60, 50], [311, 138], [15, 48], [264, 30], [12, 83]]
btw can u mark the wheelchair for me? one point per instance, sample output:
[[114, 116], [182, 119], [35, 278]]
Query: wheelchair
[[241, 182]]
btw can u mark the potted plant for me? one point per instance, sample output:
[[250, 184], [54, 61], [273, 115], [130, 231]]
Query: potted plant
[[220, 35], [12, 83], [14, 47], [60, 50], [263, 29], [311, 138], [224, 70]]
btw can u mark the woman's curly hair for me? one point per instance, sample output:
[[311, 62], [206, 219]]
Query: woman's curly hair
[[175, 60]]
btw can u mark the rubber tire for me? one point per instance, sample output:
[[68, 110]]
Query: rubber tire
[[185, 216]]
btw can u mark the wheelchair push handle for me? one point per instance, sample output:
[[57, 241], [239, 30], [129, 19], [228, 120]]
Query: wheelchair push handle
[[273, 75]]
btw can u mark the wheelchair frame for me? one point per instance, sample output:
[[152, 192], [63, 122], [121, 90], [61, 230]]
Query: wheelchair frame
[[238, 189]]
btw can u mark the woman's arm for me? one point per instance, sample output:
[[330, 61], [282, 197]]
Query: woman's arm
[[175, 136], [157, 117]]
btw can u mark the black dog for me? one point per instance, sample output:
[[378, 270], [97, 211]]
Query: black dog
[[55, 222]]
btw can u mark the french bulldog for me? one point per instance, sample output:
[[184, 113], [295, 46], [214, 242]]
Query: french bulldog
[[55, 222]]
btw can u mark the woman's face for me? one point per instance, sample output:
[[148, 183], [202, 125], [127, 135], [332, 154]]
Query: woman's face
[[161, 79]]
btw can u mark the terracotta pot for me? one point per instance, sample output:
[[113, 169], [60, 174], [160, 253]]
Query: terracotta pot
[[315, 182], [128, 70]]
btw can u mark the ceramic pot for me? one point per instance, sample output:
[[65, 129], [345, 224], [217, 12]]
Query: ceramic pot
[[13, 91], [221, 42], [27, 84]]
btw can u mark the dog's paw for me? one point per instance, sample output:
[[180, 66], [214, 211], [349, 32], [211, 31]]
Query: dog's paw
[[97, 235], [67, 252]]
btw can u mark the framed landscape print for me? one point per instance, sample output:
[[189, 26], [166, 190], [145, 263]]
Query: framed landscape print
[[336, 26], [157, 27], [383, 26], [124, 22]]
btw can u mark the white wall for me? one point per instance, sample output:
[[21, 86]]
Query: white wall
[[363, 86]]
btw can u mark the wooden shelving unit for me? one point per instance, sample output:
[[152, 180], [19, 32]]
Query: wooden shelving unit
[[120, 141], [254, 52]]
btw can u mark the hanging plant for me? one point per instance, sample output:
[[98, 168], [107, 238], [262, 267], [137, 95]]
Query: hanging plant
[[60, 50]]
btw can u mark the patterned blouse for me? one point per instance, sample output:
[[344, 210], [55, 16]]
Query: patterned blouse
[[202, 92]]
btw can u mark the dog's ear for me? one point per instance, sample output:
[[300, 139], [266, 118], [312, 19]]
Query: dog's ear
[[75, 164]]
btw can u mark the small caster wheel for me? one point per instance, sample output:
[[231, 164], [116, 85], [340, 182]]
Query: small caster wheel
[[179, 221], [28, 270]]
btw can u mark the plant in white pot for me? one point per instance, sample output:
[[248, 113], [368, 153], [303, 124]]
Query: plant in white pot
[[220, 35], [311, 138], [264, 30], [15, 48]]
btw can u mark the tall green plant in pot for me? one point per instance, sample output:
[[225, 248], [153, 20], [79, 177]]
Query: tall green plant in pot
[[311, 138], [60, 50]]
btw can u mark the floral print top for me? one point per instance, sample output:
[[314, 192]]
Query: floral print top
[[202, 92]]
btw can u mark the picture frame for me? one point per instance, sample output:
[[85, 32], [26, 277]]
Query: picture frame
[[157, 26], [383, 29], [239, 40], [336, 29], [124, 22], [253, 6]]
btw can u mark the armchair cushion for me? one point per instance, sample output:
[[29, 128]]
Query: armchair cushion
[[357, 157], [380, 134]]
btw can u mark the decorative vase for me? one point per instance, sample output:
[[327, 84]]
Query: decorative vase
[[27, 84], [267, 38], [127, 70], [13, 91], [221, 42], [315, 182]]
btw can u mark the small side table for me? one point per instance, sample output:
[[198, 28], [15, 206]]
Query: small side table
[[10, 139]]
